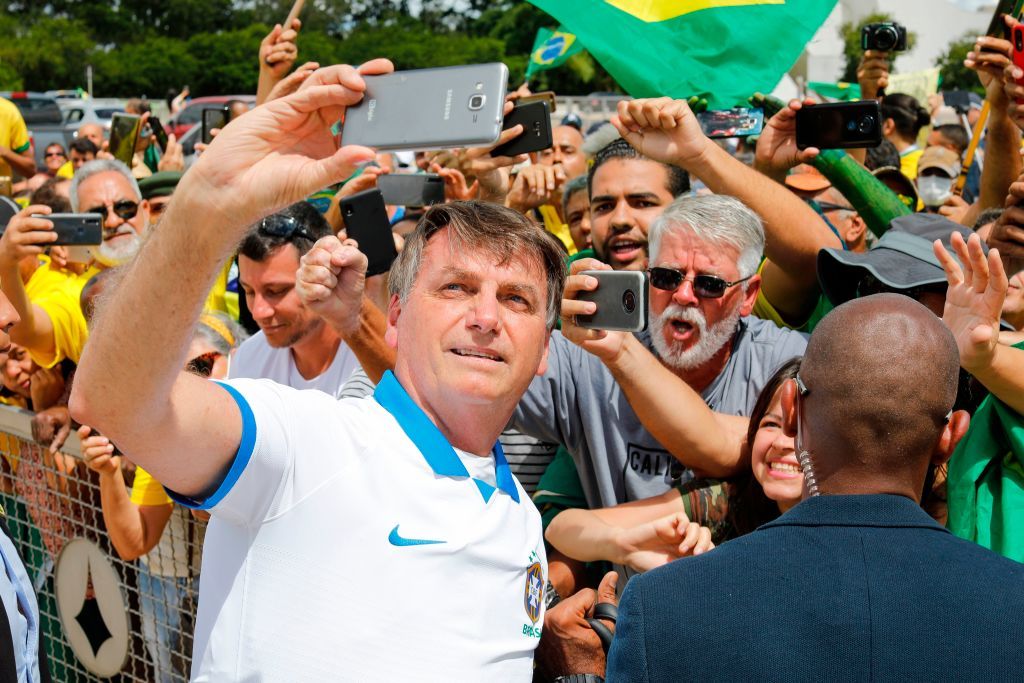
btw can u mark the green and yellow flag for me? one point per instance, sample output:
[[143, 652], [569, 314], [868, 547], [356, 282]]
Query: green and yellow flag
[[551, 49], [719, 49]]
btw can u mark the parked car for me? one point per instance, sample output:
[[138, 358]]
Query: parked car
[[192, 114], [43, 119], [77, 112]]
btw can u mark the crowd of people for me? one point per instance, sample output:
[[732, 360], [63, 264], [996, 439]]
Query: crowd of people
[[439, 473]]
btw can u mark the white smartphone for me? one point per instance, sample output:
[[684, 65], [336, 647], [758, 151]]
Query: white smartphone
[[441, 108]]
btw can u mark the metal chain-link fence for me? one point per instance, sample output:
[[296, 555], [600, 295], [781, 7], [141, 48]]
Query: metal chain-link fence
[[102, 617]]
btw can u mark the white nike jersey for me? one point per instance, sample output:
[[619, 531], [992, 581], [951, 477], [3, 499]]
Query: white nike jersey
[[340, 550]]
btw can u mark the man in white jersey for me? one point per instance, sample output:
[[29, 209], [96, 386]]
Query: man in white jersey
[[373, 539], [294, 346]]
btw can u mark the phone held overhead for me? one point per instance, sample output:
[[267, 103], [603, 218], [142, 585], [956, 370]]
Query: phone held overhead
[[535, 118], [75, 228], [124, 136], [214, 118], [411, 189], [441, 108], [839, 125], [739, 122]]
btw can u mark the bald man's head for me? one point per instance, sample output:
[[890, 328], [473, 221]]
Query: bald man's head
[[92, 131], [881, 374]]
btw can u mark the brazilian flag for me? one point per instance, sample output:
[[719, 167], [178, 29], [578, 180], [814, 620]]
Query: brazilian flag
[[723, 50], [551, 49]]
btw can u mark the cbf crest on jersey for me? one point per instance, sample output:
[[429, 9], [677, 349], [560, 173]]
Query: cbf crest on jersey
[[534, 592]]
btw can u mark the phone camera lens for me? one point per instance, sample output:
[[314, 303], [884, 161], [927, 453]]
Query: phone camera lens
[[629, 300], [476, 102], [349, 211], [866, 125], [1018, 40]]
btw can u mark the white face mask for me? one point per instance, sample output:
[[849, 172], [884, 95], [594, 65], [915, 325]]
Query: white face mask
[[934, 190]]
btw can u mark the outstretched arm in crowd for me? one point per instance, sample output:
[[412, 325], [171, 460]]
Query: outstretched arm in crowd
[[667, 130], [134, 529], [181, 428], [705, 441], [974, 301], [278, 52], [641, 534], [26, 237]]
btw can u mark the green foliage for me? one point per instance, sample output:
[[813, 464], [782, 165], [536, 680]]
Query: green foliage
[[850, 33], [141, 47], [952, 72]]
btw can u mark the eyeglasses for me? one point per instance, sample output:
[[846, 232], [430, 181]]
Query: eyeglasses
[[53, 154], [124, 209], [869, 285], [284, 226], [828, 206], [202, 364], [704, 286]]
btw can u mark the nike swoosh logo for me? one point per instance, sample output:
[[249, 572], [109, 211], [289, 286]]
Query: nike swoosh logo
[[394, 538]]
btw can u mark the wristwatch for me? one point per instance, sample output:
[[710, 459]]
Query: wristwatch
[[580, 678]]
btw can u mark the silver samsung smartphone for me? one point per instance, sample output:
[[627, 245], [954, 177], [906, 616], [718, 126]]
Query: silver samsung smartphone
[[621, 298], [442, 108]]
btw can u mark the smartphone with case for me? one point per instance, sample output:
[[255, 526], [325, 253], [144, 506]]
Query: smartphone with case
[[442, 108], [215, 117], [839, 125], [621, 298], [75, 228], [124, 135], [411, 189], [1017, 43], [536, 120], [366, 221], [543, 96], [731, 123], [159, 132]]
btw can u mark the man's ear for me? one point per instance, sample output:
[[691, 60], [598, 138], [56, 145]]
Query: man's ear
[[788, 401], [391, 332], [750, 297], [951, 435], [543, 367], [856, 229]]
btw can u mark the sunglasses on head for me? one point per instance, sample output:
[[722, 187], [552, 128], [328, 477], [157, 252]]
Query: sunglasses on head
[[202, 364], [124, 209], [284, 226], [704, 286]]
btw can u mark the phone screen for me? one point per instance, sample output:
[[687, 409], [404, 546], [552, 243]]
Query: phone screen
[[213, 118], [124, 134], [731, 123], [159, 132]]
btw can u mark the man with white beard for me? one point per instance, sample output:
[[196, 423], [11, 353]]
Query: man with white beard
[[704, 256], [52, 325]]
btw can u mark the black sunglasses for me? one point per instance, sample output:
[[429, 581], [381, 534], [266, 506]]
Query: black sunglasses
[[124, 209], [704, 286], [284, 226]]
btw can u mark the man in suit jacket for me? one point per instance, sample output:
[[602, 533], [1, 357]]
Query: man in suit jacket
[[857, 583]]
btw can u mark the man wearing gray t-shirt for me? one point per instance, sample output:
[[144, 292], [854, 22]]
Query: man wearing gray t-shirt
[[704, 256]]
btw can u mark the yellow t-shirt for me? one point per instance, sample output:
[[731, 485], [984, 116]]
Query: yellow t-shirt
[[13, 133], [70, 332], [908, 163], [66, 171], [554, 225], [148, 491], [217, 300]]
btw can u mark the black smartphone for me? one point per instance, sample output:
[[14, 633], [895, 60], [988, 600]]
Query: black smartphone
[[536, 119], [215, 117], [124, 135], [411, 189], [84, 229], [839, 125], [366, 221], [731, 123], [621, 298], [158, 132]]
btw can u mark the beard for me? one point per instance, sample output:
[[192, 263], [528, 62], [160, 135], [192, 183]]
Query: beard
[[710, 339], [117, 254]]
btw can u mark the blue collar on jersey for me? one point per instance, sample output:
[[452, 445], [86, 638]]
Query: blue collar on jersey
[[435, 448]]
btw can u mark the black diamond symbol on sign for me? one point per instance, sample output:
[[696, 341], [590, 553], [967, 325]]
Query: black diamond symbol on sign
[[91, 619]]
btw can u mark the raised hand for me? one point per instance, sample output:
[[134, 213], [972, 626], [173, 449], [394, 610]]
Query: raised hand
[[278, 50], [26, 236], [776, 150], [535, 186], [281, 151], [974, 299], [173, 158], [293, 81], [663, 129], [873, 73], [456, 189], [331, 280]]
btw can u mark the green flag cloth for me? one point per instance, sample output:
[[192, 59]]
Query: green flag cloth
[[985, 485], [551, 49], [719, 49], [845, 92]]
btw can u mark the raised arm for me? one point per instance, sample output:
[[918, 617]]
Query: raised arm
[[705, 441], [974, 300], [183, 429], [666, 130], [278, 52], [26, 237]]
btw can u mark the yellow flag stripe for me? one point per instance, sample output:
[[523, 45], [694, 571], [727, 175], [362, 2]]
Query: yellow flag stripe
[[659, 10]]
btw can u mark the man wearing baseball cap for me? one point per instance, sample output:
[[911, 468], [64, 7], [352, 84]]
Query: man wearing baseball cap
[[936, 170]]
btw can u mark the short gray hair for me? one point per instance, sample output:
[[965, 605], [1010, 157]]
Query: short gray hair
[[718, 220], [95, 167], [501, 232]]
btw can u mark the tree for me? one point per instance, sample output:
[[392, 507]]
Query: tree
[[850, 33], [952, 72]]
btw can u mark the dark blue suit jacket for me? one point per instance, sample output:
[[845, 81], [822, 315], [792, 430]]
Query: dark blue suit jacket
[[840, 588]]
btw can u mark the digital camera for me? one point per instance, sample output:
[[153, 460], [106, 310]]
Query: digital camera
[[886, 36]]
